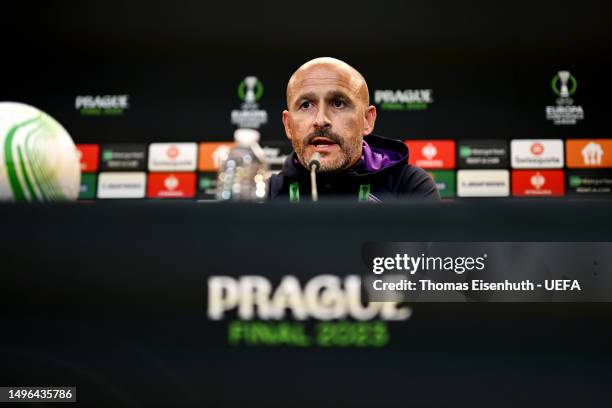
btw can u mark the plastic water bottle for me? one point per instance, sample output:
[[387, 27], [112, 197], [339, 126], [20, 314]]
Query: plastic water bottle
[[242, 172]]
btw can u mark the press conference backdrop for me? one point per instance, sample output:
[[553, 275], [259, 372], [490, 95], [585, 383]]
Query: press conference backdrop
[[461, 83]]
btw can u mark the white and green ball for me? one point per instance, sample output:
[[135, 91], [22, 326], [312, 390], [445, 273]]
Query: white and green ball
[[38, 159]]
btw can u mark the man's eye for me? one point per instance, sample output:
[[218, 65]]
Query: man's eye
[[338, 103], [305, 105]]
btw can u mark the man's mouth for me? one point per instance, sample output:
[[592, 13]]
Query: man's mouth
[[323, 144]]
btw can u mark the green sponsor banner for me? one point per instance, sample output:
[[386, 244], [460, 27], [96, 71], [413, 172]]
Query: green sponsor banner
[[88, 186], [591, 183], [445, 180], [207, 185]]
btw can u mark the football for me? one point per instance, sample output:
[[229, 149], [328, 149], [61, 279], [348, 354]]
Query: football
[[38, 159]]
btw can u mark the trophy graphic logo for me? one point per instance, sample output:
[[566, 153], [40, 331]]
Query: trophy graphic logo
[[564, 76], [250, 91], [251, 81], [564, 85]]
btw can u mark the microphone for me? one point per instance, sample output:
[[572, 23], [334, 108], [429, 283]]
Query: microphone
[[314, 164], [314, 161]]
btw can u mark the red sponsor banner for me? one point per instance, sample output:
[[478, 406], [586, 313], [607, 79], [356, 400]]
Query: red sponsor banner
[[432, 154], [171, 185], [538, 183], [89, 156]]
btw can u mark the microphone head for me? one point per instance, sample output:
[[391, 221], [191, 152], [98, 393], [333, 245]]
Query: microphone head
[[315, 160]]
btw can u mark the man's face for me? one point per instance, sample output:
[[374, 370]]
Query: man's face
[[328, 113]]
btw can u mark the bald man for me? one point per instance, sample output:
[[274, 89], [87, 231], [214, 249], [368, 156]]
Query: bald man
[[329, 112]]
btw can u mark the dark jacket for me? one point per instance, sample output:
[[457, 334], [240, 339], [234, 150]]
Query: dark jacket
[[381, 174]]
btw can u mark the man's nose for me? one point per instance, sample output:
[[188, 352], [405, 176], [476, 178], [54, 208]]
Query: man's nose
[[321, 120]]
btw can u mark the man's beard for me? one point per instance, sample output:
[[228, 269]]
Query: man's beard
[[343, 159]]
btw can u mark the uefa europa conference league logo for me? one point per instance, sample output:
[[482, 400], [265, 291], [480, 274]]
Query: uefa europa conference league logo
[[250, 91], [564, 85]]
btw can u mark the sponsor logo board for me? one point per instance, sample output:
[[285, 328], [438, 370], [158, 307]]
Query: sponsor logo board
[[580, 183], [483, 183], [276, 153], [88, 186], [537, 153], [89, 157], [211, 155], [432, 154], [589, 153], [538, 183], [173, 156], [171, 185], [207, 186], [445, 181], [123, 157], [492, 154], [122, 185]]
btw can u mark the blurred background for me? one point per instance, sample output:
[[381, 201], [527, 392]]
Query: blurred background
[[119, 72]]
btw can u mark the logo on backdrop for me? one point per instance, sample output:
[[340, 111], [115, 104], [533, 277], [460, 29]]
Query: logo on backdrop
[[429, 151], [89, 157], [88, 186], [537, 149], [537, 154], [592, 153], [250, 91], [589, 153], [564, 85], [171, 185], [207, 186], [101, 105], [276, 154], [537, 180], [171, 182], [538, 183], [483, 183], [590, 183], [212, 154], [123, 157], [173, 156], [403, 100], [483, 154], [445, 181], [122, 185], [432, 154], [324, 311]]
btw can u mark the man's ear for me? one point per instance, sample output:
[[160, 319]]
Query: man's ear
[[286, 124], [369, 120]]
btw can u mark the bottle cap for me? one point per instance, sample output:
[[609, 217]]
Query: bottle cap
[[246, 136]]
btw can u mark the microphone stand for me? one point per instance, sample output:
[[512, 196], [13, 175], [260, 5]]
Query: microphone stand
[[314, 164]]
